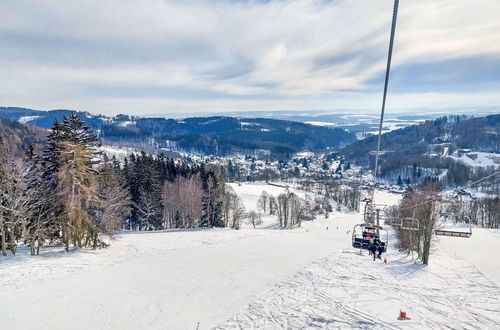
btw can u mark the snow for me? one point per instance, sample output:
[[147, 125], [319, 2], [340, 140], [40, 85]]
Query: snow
[[347, 290], [243, 123], [304, 154], [250, 193], [320, 123], [479, 159], [26, 119], [253, 278], [118, 151], [479, 251], [126, 123]]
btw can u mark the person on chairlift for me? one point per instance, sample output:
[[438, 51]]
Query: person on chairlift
[[374, 245], [380, 249]]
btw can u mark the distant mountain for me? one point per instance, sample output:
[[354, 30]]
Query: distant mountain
[[45, 119], [217, 135], [426, 150]]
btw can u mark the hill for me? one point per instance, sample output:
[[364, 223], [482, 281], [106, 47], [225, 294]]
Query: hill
[[308, 277], [217, 135], [18, 137], [430, 149]]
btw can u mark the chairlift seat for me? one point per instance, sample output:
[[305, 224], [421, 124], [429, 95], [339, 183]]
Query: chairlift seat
[[365, 244], [450, 233]]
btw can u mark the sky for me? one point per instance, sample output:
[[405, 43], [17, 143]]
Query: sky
[[156, 56]]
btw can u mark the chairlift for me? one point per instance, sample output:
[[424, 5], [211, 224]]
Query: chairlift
[[454, 233], [380, 152], [362, 233], [410, 224], [370, 211]]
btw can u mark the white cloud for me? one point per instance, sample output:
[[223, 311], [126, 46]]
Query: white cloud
[[237, 55]]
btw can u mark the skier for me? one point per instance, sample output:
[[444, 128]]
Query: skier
[[380, 250], [370, 245], [374, 244]]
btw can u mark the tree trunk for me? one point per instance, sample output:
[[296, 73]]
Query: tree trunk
[[12, 243], [4, 246]]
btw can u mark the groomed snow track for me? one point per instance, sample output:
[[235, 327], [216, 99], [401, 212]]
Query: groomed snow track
[[346, 290]]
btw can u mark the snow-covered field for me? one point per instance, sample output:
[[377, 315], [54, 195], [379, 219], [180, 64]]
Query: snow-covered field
[[253, 278], [479, 159]]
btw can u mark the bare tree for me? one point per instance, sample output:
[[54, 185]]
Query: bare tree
[[183, 202], [113, 204], [421, 204], [263, 202], [283, 208], [226, 204], [273, 205], [14, 205], [254, 218], [237, 210]]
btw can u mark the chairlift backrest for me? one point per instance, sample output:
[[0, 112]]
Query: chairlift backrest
[[454, 233], [450, 233]]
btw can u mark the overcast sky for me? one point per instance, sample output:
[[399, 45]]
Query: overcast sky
[[155, 56]]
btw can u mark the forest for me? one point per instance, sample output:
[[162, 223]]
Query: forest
[[65, 192], [216, 135], [408, 155]]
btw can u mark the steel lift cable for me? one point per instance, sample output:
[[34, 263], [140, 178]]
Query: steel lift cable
[[387, 72]]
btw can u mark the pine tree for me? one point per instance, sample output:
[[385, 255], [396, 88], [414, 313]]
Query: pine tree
[[69, 162], [212, 201]]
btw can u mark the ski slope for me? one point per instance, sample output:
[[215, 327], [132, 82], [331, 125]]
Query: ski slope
[[253, 278]]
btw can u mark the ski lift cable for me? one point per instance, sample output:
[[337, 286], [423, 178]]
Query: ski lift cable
[[386, 83]]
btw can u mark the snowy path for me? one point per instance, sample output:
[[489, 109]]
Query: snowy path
[[482, 250], [346, 290], [167, 289], [459, 290]]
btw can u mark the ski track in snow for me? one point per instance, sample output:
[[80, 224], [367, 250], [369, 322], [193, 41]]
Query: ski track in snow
[[334, 293], [349, 290]]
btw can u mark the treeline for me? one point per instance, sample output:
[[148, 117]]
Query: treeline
[[223, 136], [290, 209], [19, 137], [343, 193], [168, 194], [61, 193], [70, 193], [482, 212], [216, 135]]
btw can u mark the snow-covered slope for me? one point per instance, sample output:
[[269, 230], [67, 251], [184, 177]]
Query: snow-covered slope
[[479, 159], [252, 278]]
